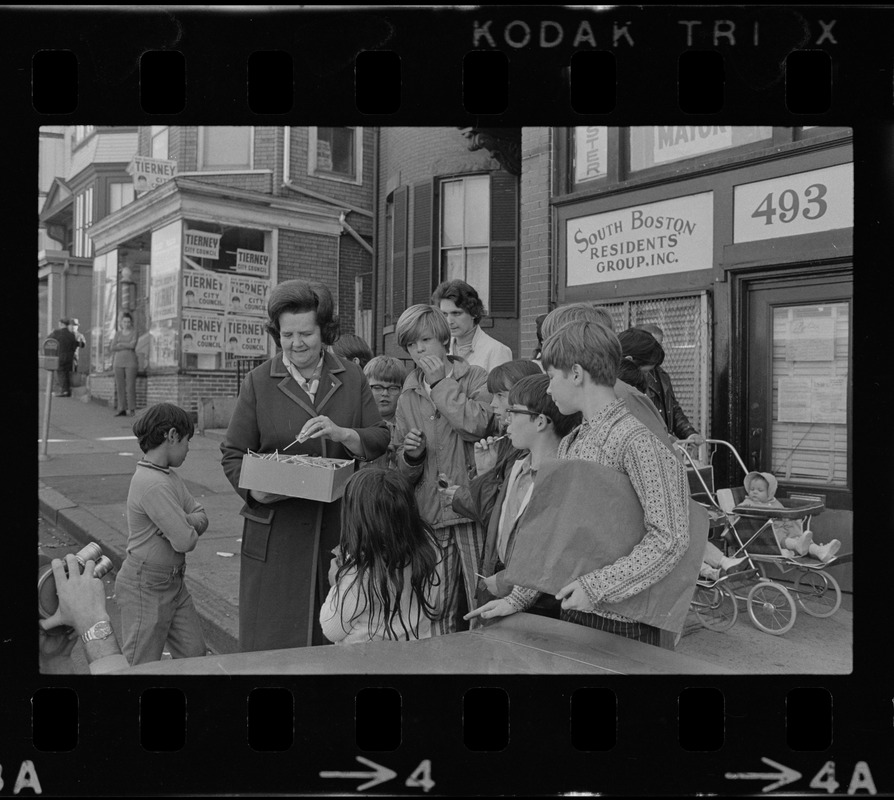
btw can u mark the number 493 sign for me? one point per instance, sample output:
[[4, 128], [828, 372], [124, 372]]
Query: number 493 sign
[[807, 202]]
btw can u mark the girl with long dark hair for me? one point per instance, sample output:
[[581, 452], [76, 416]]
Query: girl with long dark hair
[[387, 574]]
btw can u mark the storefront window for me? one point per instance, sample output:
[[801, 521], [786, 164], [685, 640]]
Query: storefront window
[[105, 293], [810, 393], [664, 144], [465, 232], [685, 324]]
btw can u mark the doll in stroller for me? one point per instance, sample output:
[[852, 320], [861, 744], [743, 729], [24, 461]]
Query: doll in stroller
[[754, 531]]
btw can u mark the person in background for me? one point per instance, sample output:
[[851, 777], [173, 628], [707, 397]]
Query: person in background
[[463, 310], [315, 403], [442, 411], [636, 401], [386, 574], [164, 522], [68, 344], [82, 342], [124, 362], [386, 376], [352, 348], [644, 350]]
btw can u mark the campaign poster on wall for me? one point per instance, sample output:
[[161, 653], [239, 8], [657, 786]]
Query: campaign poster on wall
[[201, 244], [201, 332], [247, 295], [205, 290], [246, 336], [253, 262]]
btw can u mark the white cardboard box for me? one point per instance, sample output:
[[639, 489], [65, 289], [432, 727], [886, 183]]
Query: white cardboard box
[[296, 479]]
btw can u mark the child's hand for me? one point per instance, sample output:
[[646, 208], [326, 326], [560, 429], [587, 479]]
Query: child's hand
[[574, 598], [433, 367], [495, 608], [446, 489], [414, 443], [485, 455]]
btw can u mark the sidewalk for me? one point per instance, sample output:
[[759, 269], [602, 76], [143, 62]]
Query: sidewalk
[[82, 487]]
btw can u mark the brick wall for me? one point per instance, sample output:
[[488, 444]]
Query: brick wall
[[307, 255], [408, 155], [536, 231], [184, 389], [352, 194]]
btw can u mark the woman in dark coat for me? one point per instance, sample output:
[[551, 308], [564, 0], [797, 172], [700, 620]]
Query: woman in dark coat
[[286, 542]]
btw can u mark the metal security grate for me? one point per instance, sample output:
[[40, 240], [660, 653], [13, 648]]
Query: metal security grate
[[686, 324]]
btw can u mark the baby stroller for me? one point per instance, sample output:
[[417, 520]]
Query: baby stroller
[[743, 531]]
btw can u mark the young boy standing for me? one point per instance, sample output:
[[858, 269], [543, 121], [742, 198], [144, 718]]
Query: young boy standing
[[164, 523], [582, 360]]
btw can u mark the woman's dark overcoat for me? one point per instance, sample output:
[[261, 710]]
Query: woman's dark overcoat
[[286, 545]]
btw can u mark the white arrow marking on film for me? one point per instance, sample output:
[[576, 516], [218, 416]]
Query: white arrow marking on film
[[784, 776], [379, 775]]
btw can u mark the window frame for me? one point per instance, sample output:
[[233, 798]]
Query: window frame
[[440, 183], [313, 171], [155, 132]]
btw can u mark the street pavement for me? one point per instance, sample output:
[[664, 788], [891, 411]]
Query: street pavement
[[90, 456], [85, 467]]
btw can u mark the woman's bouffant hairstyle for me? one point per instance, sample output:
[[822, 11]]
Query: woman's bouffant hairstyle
[[351, 346], [153, 425], [299, 297], [386, 368], [590, 344], [504, 376], [531, 392], [382, 533], [421, 320], [463, 296], [574, 312]]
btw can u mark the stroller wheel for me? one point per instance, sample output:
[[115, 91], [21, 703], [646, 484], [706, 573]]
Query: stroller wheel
[[771, 608], [715, 607], [818, 594]]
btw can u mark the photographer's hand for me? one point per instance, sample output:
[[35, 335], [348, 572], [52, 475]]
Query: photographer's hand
[[82, 603]]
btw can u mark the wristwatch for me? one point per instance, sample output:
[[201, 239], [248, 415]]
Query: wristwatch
[[99, 630]]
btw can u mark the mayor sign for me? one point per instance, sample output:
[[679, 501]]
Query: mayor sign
[[641, 241]]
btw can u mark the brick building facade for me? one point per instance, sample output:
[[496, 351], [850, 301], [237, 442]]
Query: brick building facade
[[234, 211]]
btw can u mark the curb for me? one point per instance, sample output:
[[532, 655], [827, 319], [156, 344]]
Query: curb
[[216, 615]]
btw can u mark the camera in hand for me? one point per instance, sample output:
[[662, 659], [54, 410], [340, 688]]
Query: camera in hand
[[47, 600]]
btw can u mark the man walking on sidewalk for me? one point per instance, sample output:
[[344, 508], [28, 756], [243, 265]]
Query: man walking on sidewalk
[[68, 345]]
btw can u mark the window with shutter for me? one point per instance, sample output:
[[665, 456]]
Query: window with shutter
[[504, 266], [465, 232], [398, 264], [422, 242]]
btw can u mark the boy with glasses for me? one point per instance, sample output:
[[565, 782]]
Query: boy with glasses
[[536, 426], [386, 376]]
